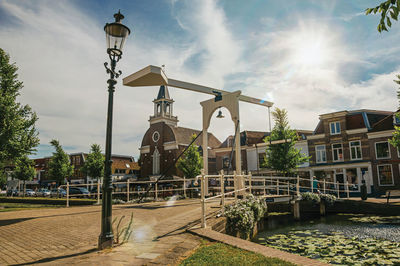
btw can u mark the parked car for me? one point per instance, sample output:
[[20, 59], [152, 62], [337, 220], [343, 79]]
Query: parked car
[[12, 192], [30, 193], [43, 192], [79, 192], [58, 193]]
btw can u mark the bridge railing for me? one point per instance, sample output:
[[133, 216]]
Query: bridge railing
[[129, 190]]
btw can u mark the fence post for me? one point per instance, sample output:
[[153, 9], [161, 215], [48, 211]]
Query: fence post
[[277, 186], [234, 184], [127, 190], [156, 191], [98, 192], [250, 182], [184, 186], [347, 189], [67, 194], [203, 201], [298, 186], [337, 189], [311, 184], [324, 186], [222, 186]]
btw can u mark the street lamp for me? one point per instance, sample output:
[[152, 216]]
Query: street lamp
[[116, 34]]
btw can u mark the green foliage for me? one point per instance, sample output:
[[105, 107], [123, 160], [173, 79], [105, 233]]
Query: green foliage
[[283, 157], [24, 169], [122, 235], [243, 215], [221, 254], [191, 162], [94, 163], [59, 166], [317, 198], [18, 135], [311, 197], [3, 176], [389, 10], [395, 140], [328, 198]]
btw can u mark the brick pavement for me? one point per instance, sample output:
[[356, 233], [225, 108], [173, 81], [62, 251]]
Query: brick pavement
[[69, 235]]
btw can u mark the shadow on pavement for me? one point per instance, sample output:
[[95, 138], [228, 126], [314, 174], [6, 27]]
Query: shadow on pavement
[[14, 221], [57, 258]]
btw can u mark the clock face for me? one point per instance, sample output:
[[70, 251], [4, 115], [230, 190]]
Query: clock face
[[156, 136]]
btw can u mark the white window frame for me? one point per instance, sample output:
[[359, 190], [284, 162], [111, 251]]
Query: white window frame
[[376, 152], [351, 157], [316, 152], [398, 152], [335, 123], [333, 153], [379, 178]]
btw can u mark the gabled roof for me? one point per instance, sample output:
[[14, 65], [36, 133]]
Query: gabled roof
[[355, 119], [384, 124], [183, 136]]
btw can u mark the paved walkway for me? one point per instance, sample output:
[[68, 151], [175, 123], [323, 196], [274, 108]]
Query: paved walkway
[[69, 235]]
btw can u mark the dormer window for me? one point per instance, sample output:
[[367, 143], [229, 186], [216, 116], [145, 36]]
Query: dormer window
[[335, 128]]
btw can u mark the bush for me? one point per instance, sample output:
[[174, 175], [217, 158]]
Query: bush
[[311, 197], [328, 198], [243, 215]]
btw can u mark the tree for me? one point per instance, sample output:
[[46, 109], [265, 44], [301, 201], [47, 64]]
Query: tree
[[24, 170], [59, 166], [3, 176], [282, 157], [94, 164], [18, 135], [387, 8], [191, 162]]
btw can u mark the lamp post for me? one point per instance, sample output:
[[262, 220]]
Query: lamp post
[[116, 34]]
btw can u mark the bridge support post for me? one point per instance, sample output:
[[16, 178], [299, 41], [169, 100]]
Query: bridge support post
[[296, 210], [322, 208]]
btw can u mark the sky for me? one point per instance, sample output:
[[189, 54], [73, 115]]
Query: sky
[[309, 57]]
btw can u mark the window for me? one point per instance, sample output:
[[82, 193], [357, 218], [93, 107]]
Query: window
[[156, 162], [335, 128], [225, 162], [382, 150], [337, 151], [320, 154], [355, 150], [385, 175]]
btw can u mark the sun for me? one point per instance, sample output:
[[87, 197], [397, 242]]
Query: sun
[[309, 48]]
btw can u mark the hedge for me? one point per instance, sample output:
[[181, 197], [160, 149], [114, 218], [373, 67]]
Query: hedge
[[49, 201]]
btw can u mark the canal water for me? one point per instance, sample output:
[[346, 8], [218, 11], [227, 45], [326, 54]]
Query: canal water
[[350, 239]]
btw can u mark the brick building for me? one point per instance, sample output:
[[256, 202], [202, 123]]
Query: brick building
[[353, 146], [165, 140], [123, 167]]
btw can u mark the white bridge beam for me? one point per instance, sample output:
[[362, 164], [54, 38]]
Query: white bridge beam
[[155, 76]]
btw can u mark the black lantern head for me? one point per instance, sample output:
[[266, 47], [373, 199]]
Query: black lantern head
[[116, 34]]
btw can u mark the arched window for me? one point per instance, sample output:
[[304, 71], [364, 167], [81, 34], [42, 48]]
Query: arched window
[[156, 162], [158, 109], [167, 108]]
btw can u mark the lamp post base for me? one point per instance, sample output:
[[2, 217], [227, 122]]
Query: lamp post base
[[105, 241]]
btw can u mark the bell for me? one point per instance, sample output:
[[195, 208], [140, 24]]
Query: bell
[[220, 115]]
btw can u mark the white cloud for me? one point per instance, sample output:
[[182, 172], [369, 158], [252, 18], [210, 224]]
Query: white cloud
[[60, 52]]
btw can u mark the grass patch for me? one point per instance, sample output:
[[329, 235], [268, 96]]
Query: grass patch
[[221, 254], [10, 206]]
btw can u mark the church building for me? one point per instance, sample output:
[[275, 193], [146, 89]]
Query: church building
[[165, 140]]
